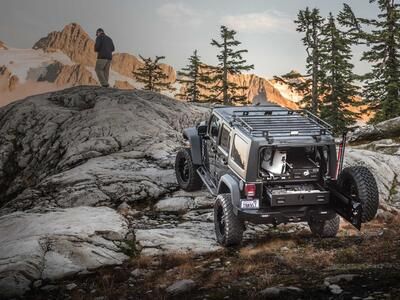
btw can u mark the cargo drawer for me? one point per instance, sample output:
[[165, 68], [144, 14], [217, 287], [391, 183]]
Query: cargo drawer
[[288, 196]]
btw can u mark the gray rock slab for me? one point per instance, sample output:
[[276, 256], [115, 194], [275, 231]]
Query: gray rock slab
[[196, 237], [181, 286], [55, 244]]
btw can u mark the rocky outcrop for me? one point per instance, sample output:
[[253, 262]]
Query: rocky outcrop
[[90, 146], [257, 90], [40, 246], [64, 75], [378, 148], [63, 153], [126, 64], [8, 81], [382, 130], [385, 169], [123, 85], [75, 75], [261, 90], [3, 46], [73, 41]]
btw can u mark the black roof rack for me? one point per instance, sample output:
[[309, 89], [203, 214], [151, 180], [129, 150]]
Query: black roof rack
[[280, 122]]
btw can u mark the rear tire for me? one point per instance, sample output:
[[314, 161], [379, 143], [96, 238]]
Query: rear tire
[[228, 227], [186, 171], [359, 184], [325, 228]]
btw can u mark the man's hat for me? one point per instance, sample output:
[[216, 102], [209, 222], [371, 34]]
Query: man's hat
[[100, 30]]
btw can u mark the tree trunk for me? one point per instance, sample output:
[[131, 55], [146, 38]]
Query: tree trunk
[[225, 74], [315, 54]]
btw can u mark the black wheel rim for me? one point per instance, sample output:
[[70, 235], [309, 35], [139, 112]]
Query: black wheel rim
[[221, 220], [183, 168]]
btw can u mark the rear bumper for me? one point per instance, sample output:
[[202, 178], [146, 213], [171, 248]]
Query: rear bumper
[[285, 215]]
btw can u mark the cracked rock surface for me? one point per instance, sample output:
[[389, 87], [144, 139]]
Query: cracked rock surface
[[67, 160], [103, 144], [51, 245]]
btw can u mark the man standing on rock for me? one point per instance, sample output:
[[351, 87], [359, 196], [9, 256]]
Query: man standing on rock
[[104, 47]]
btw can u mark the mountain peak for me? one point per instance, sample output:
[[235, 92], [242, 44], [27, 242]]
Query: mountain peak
[[3, 46], [73, 41]]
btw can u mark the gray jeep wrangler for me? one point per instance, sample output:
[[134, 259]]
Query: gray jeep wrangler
[[271, 165]]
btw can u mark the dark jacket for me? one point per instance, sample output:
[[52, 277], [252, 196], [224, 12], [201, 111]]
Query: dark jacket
[[104, 47]]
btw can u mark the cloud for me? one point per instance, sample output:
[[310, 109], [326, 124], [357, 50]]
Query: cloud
[[179, 13], [267, 21]]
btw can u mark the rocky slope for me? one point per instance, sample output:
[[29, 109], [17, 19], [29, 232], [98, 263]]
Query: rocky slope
[[91, 171], [65, 151]]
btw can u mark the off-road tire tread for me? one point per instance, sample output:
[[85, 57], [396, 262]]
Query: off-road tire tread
[[234, 227], [367, 190], [195, 183], [326, 228]]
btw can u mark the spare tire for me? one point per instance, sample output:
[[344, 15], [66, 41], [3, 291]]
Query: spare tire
[[358, 183]]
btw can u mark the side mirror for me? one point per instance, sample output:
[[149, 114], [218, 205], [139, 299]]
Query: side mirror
[[202, 130]]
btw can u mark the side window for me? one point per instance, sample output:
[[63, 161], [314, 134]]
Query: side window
[[239, 152], [224, 142], [214, 127]]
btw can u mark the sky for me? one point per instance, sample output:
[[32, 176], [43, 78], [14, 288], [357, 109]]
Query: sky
[[175, 29]]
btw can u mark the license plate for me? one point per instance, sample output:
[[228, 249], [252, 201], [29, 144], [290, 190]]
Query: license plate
[[249, 204]]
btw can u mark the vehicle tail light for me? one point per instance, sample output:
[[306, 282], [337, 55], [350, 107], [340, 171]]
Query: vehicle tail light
[[250, 189]]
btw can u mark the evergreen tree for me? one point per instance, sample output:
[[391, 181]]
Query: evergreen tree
[[152, 75], [310, 23], [382, 84], [337, 86], [231, 62], [194, 78]]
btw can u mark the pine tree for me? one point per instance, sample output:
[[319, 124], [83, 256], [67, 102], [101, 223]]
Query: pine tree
[[310, 23], [152, 75], [382, 84], [194, 78], [231, 62], [337, 86]]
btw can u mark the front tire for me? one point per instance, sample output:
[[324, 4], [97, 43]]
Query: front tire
[[325, 228], [228, 227], [186, 171], [358, 183]]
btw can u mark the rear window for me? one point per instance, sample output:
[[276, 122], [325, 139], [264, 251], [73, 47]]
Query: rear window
[[240, 152]]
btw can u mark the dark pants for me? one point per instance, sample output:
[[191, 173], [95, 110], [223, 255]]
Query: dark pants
[[103, 70]]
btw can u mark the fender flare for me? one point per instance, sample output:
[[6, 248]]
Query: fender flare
[[191, 135], [227, 184]]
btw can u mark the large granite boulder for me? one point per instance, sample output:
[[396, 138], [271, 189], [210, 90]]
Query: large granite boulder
[[91, 143]]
